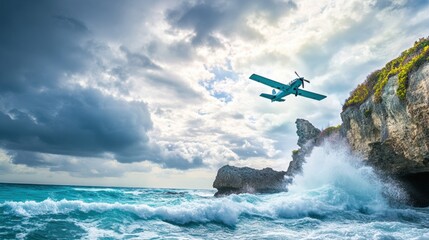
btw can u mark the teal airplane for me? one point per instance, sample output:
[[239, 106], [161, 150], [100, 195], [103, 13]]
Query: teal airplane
[[286, 89]]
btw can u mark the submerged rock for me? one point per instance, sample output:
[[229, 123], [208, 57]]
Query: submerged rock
[[236, 180]]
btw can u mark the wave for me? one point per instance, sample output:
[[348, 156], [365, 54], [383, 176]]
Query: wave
[[199, 212], [351, 182], [334, 185], [310, 218], [224, 211]]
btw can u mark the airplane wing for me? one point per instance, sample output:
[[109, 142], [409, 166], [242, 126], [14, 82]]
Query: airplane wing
[[311, 95], [267, 81]]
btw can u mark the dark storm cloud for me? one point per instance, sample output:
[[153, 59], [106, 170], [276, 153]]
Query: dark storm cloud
[[81, 122], [37, 46], [28, 158], [72, 23], [75, 166], [43, 114], [206, 18]]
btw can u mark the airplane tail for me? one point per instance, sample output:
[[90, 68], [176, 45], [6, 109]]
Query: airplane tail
[[271, 97]]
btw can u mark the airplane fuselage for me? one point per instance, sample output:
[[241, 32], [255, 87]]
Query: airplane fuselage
[[286, 90]]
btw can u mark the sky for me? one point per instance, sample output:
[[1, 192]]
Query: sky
[[157, 94]]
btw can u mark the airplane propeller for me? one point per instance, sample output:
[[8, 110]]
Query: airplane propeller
[[302, 80]]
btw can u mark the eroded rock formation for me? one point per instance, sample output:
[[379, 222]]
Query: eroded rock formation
[[307, 137], [231, 179], [393, 134]]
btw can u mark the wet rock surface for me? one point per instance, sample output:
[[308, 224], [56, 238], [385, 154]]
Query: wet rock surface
[[230, 179], [308, 137], [393, 135]]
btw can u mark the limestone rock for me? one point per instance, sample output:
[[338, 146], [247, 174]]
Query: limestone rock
[[306, 132], [393, 135], [307, 138], [230, 179]]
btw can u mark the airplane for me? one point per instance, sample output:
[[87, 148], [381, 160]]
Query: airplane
[[286, 89]]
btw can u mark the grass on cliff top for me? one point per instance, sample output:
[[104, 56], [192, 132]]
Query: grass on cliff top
[[329, 131], [409, 61]]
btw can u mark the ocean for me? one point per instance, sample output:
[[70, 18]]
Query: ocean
[[337, 197]]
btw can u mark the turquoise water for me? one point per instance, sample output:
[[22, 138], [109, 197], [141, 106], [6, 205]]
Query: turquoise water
[[334, 199]]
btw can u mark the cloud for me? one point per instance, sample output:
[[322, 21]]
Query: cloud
[[71, 23], [139, 60], [54, 104], [132, 73], [206, 19], [37, 48], [81, 122]]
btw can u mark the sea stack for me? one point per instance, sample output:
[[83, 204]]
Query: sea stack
[[236, 180]]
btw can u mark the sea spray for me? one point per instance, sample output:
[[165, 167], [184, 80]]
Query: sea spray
[[342, 178]]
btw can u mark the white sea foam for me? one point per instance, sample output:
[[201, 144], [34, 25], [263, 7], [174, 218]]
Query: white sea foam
[[341, 178], [96, 189], [135, 193], [94, 232]]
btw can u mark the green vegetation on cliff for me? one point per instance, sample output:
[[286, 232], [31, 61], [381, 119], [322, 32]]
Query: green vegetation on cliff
[[329, 131], [409, 61]]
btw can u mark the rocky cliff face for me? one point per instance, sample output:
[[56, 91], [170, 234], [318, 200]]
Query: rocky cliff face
[[393, 135]]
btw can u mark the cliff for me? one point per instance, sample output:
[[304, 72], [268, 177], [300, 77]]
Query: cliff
[[390, 126]]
